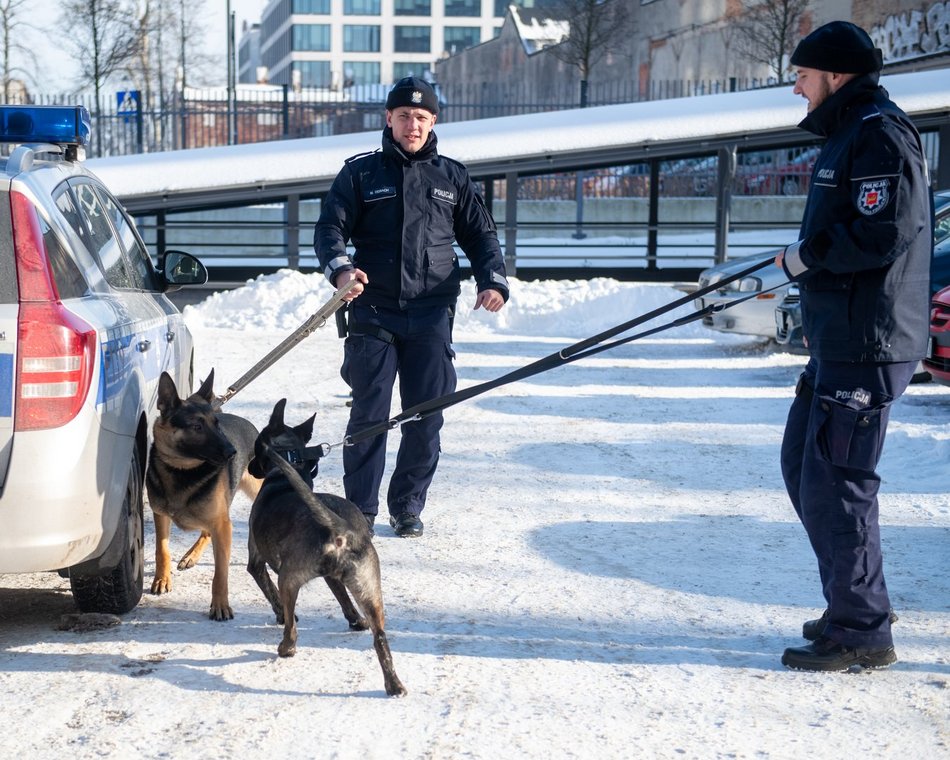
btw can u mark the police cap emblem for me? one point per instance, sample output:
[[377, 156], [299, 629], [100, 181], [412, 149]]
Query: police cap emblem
[[416, 97]]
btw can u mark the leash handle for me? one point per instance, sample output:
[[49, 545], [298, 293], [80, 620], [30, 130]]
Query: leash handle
[[315, 321]]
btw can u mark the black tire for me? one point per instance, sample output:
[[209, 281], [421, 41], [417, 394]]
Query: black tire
[[118, 591], [921, 375]]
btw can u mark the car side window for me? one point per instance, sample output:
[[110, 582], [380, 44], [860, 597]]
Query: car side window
[[102, 241], [139, 262], [69, 279], [67, 207]]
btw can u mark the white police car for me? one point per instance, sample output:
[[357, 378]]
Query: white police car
[[85, 332]]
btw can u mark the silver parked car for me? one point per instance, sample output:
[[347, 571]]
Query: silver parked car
[[756, 316], [85, 332]]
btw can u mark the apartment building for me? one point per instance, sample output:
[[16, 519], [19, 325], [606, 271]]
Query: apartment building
[[341, 43]]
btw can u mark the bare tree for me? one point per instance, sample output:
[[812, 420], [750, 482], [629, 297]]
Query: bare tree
[[14, 44], [768, 32], [598, 27], [172, 44], [103, 37]]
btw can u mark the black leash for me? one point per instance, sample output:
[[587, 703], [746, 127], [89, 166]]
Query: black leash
[[587, 347], [315, 321]]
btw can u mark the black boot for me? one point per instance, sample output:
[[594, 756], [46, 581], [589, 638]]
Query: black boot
[[406, 525], [823, 654], [812, 629]]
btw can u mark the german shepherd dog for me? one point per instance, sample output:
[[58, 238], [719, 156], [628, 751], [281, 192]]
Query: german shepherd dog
[[197, 462], [302, 535]]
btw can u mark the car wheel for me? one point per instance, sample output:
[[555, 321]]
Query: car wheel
[[921, 375], [119, 590]]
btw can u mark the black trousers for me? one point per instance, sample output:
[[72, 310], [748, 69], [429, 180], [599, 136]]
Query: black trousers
[[384, 345], [832, 445]]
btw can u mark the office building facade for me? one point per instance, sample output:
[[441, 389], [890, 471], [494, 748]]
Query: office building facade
[[341, 43]]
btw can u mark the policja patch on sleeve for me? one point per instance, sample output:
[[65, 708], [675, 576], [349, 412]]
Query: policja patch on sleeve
[[873, 196]]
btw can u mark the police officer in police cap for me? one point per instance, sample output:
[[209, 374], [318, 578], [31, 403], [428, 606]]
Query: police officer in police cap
[[402, 207], [862, 262]]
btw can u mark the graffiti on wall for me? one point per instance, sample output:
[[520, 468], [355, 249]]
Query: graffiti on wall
[[915, 33]]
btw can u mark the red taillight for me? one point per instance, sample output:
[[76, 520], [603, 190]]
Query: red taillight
[[55, 348]]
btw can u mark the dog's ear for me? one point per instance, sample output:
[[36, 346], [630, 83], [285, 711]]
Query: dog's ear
[[305, 429], [206, 390], [168, 400], [277, 416]]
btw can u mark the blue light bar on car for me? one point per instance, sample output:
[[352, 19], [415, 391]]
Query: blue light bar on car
[[60, 125]]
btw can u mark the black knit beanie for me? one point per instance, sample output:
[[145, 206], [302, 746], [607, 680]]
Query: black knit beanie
[[839, 47], [414, 93]]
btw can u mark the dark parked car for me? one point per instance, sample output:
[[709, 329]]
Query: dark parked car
[[85, 332], [788, 314]]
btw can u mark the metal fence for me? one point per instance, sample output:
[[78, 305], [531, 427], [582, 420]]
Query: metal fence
[[257, 113]]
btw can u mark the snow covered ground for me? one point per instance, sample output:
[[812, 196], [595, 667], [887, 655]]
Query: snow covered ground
[[610, 569]]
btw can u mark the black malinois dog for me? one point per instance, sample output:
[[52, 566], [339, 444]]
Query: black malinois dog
[[302, 535]]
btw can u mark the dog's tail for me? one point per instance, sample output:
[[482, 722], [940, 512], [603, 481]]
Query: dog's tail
[[326, 518]]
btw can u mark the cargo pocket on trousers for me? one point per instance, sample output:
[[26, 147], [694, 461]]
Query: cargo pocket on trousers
[[851, 438]]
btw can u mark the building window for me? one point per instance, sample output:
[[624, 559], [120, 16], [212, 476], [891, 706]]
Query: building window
[[501, 6], [361, 39], [457, 38], [316, 7], [463, 7], [361, 7], [412, 8], [360, 72], [409, 69], [314, 73], [411, 39], [312, 37]]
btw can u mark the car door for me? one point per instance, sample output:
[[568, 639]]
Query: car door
[[131, 348], [170, 335]]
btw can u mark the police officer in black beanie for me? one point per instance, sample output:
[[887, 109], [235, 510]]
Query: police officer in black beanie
[[402, 208], [862, 263]]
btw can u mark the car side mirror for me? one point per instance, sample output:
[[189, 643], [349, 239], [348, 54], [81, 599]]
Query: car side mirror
[[180, 268]]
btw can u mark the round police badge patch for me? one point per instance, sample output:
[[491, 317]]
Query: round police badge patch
[[873, 196]]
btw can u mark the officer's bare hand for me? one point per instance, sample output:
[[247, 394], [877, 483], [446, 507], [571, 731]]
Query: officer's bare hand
[[353, 274], [780, 258], [491, 299]]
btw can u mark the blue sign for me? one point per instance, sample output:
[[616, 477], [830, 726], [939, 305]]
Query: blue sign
[[127, 103]]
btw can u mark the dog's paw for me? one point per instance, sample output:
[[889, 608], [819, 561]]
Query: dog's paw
[[221, 612], [360, 624], [161, 584], [186, 563], [394, 688]]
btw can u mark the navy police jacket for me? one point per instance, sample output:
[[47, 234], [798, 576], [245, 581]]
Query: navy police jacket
[[866, 240], [402, 213]]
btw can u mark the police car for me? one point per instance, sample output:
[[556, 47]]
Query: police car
[[85, 332]]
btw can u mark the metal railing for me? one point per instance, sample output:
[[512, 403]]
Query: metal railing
[[208, 117]]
